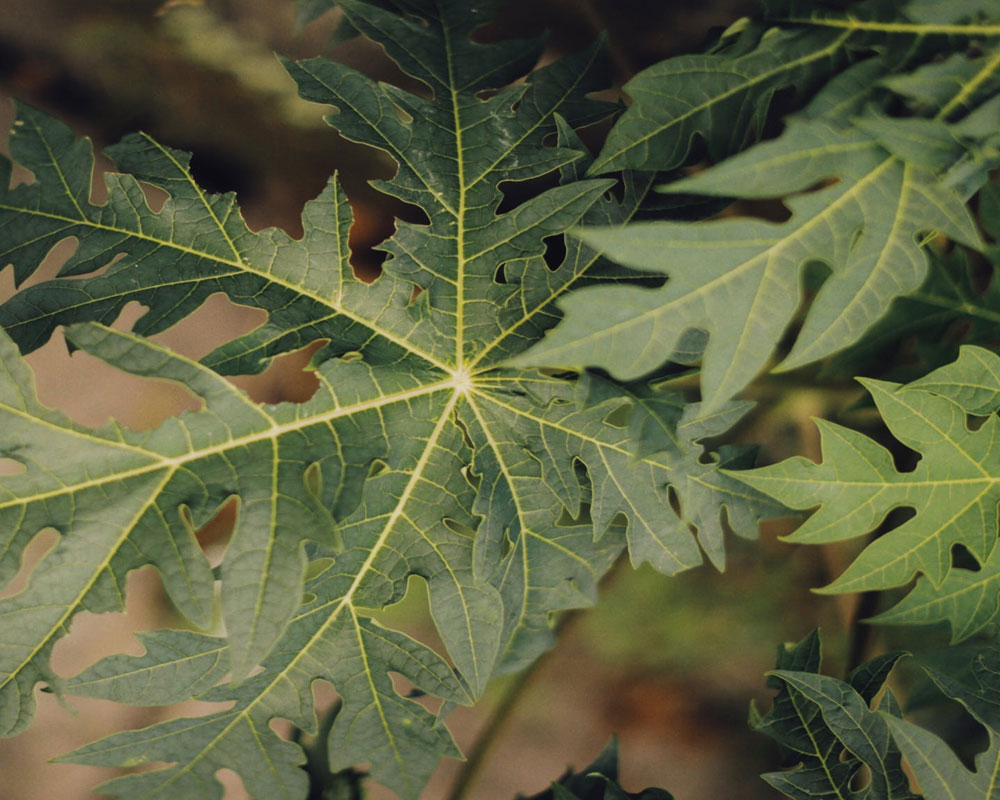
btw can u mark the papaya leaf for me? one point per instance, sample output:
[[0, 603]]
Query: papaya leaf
[[864, 193], [326, 639], [819, 719], [509, 491], [953, 491], [938, 770]]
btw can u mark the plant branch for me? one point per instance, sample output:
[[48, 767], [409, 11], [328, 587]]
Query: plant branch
[[509, 702]]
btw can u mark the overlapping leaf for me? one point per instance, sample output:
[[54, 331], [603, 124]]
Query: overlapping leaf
[[948, 310], [953, 490], [883, 184], [722, 97], [817, 718], [739, 279], [508, 491], [940, 773]]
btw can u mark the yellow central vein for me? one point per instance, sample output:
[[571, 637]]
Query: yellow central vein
[[816, 748], [513, 493], [460, 260], [376, 702], [244, 267], [969, 88], [55, 166], [916, 28], [994, 776], [341, 603], [272, 433]]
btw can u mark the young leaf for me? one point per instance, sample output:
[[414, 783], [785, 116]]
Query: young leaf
[[817, 718], [682, 98], [953, 490]]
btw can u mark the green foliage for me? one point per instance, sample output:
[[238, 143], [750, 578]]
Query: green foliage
[[599, 781], [949, 309], [816, 719], [419, 454], [952, 492], [937, 768], [682, 98], [503, 422], [882, 183]]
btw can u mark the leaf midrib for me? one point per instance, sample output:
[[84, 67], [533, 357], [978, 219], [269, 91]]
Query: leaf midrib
[[598, 165], [241, 266], [916, 28], [274, 432], [340, 603]]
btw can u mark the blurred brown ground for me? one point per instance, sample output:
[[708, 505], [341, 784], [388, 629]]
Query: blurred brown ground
[[669, 664]]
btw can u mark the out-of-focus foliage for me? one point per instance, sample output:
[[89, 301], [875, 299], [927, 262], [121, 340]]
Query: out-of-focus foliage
[[599, 781]]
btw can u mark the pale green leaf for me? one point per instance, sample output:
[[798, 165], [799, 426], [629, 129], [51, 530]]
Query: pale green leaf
[[953, 490], [865, 190], [738, 279]]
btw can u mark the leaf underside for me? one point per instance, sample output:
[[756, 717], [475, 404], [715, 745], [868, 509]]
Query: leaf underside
[[509, 491], [864, 191]]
